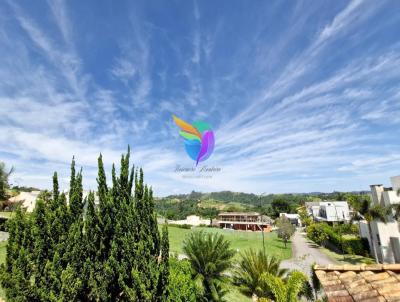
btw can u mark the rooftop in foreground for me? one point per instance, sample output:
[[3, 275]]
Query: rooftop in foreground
[[360, 283]]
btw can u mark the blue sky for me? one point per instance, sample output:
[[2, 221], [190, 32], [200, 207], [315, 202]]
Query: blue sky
[[302, 95]]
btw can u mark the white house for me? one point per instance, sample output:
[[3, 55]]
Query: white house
[[193, 220], [385, 236], [28, 199], [329, 211], [293, 218]]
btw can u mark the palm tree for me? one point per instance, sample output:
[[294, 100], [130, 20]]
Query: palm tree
[[285, 290], [250, 268], [209, 255]]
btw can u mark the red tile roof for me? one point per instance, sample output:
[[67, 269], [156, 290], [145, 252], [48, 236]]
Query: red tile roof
[[360, 283]]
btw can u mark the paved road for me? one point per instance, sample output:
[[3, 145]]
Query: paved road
[[305, 253]]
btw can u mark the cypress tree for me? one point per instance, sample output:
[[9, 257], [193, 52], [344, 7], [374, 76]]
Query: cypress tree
[[76, 198], [56, 192], [162, 290], [110, 253], [101, 180], [72, 178]]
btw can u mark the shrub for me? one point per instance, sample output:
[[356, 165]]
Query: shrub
[[181, 226], [182, 287], [326, 235]]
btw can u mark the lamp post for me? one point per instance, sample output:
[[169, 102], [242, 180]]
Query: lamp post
[[262, 227]]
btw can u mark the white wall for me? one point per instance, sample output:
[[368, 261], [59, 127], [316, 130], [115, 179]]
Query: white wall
[[191, 220], [395, 180], [384, 249], [385, 231], [390, 197], [336, 211], [376, 192]]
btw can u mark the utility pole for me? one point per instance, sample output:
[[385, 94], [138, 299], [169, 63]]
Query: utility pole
[[262, 227]]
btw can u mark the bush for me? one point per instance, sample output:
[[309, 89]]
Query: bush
[[181, 226], [326, 235], [347, 229], [181, 287]]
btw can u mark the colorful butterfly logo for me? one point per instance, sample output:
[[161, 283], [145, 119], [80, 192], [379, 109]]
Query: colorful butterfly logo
[[199, 139]]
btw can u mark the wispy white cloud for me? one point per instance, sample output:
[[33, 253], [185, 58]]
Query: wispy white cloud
[[60, 15], [282, 122]]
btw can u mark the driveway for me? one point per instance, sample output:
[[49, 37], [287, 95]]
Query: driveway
[[304, 254]]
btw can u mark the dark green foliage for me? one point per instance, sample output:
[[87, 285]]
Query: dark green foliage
[[181, 226], [84, 252], [280, 205], [328, 236], [24, 189], [209, 255]]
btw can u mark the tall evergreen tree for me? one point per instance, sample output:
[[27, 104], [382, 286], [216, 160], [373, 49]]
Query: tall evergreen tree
[[56, 193], [109, 252]]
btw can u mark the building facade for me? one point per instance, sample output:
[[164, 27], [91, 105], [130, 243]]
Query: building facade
[[293, 218], [385, 236], [192, 220], [329, 211], [244, 221]]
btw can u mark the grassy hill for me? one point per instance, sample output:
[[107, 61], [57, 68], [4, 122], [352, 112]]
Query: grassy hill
[[208, 204], [179, 208]]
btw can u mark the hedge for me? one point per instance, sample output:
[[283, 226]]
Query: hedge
[[324, 234]]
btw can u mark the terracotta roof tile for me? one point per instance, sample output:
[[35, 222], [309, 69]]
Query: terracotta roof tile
[[341, 299], [360, 283], [365, 295]]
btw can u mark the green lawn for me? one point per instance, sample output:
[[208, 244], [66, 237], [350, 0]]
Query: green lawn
[[240, 240], [6, 214], [347, 258]]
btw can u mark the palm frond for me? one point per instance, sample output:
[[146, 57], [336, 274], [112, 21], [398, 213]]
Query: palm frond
[[294, 285], [209, 255], [275, 285], [250, 268]]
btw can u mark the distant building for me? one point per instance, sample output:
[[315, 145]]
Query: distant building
[[28, 199], [251, 221], [191, 220], [329, 211], [386, 236], [293, 218]]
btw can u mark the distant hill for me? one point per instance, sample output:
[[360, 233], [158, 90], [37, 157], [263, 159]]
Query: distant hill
[[209, 204]]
